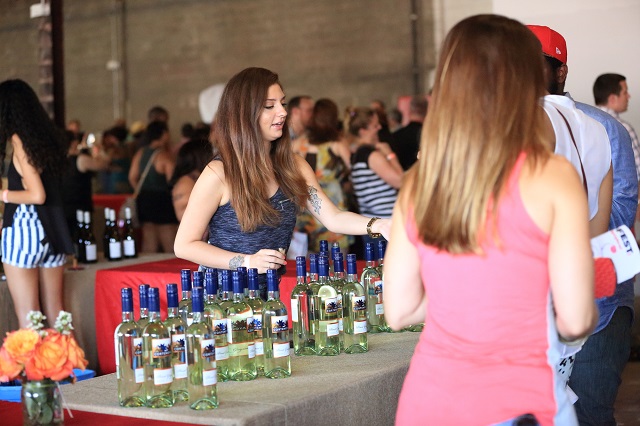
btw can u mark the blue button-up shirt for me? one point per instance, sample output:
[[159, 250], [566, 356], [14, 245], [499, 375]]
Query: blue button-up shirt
[[625, 200]]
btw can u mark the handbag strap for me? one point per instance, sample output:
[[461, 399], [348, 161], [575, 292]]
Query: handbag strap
[[144, 174], [584, 176]]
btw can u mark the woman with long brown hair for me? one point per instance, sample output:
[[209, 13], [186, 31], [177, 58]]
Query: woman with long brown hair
[[490, 241], [249, 195]]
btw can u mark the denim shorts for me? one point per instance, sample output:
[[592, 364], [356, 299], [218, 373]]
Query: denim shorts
[[24, 243]]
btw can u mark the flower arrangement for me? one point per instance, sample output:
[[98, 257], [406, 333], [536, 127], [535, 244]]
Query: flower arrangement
[[36, 353]]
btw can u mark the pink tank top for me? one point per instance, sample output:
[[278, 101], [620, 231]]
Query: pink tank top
[[482, 357]]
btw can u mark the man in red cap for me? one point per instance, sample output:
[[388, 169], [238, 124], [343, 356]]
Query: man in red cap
[[598, 366]]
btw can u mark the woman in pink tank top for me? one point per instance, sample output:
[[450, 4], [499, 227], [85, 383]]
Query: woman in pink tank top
[[489, 243]]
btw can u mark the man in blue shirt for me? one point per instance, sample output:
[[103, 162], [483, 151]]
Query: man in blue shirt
[[598, 366]]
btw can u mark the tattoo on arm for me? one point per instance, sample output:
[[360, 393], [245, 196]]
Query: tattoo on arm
[[314, 199], [237, 261]]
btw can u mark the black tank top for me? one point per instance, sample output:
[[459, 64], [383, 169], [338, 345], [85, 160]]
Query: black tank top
[[76, 188]]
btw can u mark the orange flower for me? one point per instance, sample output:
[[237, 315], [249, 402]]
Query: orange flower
[[50, 359], [76, 355], [20, 344], [9, 369]]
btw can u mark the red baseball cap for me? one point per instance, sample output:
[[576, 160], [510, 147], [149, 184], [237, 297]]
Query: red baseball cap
[[553, 44]]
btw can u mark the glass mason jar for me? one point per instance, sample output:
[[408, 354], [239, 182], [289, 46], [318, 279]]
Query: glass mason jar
[[41, 403]]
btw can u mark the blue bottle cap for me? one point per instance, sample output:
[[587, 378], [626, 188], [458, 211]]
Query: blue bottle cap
[[369, 252], [323, 265], [236, 279], [198, 279], [273, 280], [144, 296], [211, 281], [253, 278], [172, 295], [154, 299], [185, 279], [382, 246], [324, 245], [197, 299], [244, 279], [226, 280], [335, 248], [126, 295], [313, 263], [338, 263], [352, 268], [301, 266]]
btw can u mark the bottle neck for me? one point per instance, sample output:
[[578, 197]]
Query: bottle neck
[[154, 316], [144, 313], [338, 275], [301, 279], [186, 295], [238, 297], [253, 294], [226, 295], [352, 278], [313, 277], [127, 316], [172, 312], [371, 263], [210, 298], [273, 295], [197, 317], [323, 279]]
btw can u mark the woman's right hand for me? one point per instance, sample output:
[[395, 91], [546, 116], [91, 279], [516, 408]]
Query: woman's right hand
[[266, 259]]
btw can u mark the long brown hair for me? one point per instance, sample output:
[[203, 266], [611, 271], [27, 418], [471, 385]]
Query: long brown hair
[[324, 122], [484, 112], [238, 139]]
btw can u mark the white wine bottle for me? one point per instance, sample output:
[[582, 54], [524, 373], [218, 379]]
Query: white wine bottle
[[129, 359], [256, 304], [128, 236], [326, 311], [338, 283], [157, 357], [177, 328], [355, 311], [143, 319], [372, 283], [216, 319], [302, 316], [184, 306], [277, 356], [203, 379], [242, 350]]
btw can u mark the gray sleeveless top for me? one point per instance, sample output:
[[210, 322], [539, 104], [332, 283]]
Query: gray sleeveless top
[[225, 233]]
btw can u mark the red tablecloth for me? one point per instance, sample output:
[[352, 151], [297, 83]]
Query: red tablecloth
[[11, 415], [108, 310]]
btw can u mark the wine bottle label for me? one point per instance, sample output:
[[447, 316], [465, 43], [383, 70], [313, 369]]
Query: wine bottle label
[[294, 309], [379, 309], [115, 250], [178, 345], [220, 327], [241, 349], [359, 303], [330, 305], [251, 351], [161, 347], [91, 252], [259, 347], [222, 353], [139, 374], [340, 325], [257, 323], [129, 247], [251, 325], [208, 349], [137, 346], [377, 283], [359, 327], [162, 376], [333, 328], [280, 323], [209, 377], [280, 350], [180, 371]]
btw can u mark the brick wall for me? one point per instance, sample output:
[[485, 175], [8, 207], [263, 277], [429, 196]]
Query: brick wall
[[350, 51]]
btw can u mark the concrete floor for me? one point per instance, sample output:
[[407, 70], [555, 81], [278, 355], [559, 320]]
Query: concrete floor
[[628, 403]]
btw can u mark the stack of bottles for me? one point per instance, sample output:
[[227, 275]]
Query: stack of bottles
[[205, 339], [117, 243]]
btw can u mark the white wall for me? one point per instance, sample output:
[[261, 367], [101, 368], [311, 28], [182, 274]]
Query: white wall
[[602, 36]]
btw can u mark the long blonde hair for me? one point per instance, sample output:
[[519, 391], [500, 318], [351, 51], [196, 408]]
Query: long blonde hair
[[484, 112]]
